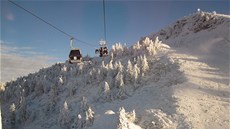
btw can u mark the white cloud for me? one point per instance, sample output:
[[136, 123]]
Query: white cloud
[[20, 61]]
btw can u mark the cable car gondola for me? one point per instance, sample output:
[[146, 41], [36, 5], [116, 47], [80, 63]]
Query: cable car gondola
[[103, 50], [75, 55]]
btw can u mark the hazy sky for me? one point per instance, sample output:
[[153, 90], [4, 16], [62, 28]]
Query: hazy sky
[[127, 22]]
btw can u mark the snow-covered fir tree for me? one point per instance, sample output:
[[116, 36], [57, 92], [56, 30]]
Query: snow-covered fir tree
[[119, 90], [144, 65], [104, 92], [151, 49], [85, 116], [64, 117], [22, 113], [129, 78], [136, 73], [12, 116], [89, 117], [124, 118], [103, 70]]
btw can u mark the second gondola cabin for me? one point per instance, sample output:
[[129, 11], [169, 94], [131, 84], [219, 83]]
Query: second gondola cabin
[[103, 50]]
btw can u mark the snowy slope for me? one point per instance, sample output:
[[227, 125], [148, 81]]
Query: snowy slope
[[204, 57], [146, 86]]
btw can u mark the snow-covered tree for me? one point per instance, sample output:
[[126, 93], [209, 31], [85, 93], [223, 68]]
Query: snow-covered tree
[[99, 76], [103, 70], [85, 117], [138, 61], [64, 117], [39, 89], [131, 116], [146, 42], [118, 66], [151, 49], [84, 105], [119, 80], [46, 86], [117, 50], [136, 72], [52, 101], [129, 73], [136, 46], [144, 65], [12, 116], [61, 80], [89, 116], [87, 57], [22, 113], [111, 56], [64, 68], [119, 90], [110, 65], [104, 92], [124, 118]]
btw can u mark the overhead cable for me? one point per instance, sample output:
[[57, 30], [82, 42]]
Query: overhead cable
[[48, 23], [104, 19]]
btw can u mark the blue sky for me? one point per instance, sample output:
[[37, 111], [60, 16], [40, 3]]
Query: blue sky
[[127, 22]]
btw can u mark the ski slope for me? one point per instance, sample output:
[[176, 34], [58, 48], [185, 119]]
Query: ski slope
[[179, 81]]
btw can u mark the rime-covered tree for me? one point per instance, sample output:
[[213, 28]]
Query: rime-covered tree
[[84, 105], [118, 91], [104, 92], [103, 70], [110, 69], [49, 108], [124, 118], [64, 118], [117, 50], [22, 114], [157, 43], [119, 80], [12, 116], [39, 89], [146, 42], [111, 56], [61, 80], [129, 73], [144, 65], [151, 49], [136, 73], [89, 116], [118, 67], [110, 65], [85, 116]]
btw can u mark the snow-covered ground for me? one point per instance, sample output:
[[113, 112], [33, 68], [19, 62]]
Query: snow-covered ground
[[151, 85]]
